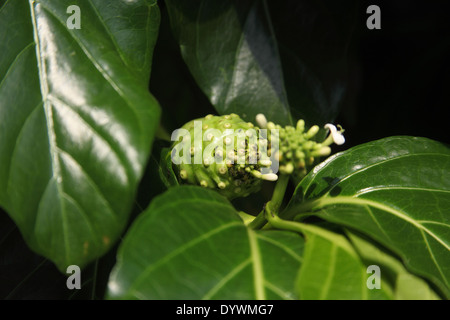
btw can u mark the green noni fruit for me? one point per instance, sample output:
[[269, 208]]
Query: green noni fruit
[[233, 156], [223, 153]]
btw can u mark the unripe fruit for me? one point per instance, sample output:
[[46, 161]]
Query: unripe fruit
[[227, 149], [234, 156]]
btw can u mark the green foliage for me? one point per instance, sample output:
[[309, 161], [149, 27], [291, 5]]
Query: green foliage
[[76, 133], [84, 181], [245, 74], [394, 190], [184, 247]]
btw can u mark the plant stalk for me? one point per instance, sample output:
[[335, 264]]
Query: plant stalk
[[274, 204]]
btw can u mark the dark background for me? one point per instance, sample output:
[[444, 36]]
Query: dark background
[[401, 83], [398, 77], [398, 81]]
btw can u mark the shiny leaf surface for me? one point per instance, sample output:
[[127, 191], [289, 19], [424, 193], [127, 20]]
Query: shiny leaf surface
[[332, 269], [231, 50], [76, 121], [394, 190], [405, 285], [191, 244]]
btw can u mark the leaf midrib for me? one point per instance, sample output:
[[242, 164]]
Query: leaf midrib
[[313, 178], [330, 274], [56, 169], [258, 272], [323, 202], [396, 187]]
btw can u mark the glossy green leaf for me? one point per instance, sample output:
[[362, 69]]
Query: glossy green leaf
[[394, 190], [191, 244], [405, 285], [410, 287], [76, 121], [231, 50], [331, 268], [332, 273]]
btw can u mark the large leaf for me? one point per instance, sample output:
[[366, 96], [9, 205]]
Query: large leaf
[[331, 268], [396, 191], [191, 244], [231, 50], [406, 285], [76, 121]]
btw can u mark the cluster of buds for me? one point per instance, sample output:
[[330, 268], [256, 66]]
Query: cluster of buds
[[225, 154], [297, 151], [234, 156]]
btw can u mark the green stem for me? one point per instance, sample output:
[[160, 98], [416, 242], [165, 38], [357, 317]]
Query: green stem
[[308, 230], [278, 193], [274, 203], [279, 223], [259, 221], [303, 210]]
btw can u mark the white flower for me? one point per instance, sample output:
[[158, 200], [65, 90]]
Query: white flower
[[261, 120], [338, 137]]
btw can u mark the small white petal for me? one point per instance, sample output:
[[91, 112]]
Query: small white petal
[[338, 137], [270, 177], [261, 120]]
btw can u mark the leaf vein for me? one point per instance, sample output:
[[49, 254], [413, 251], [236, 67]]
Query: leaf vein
[[149, 269], [286, 249], [214, 290]]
